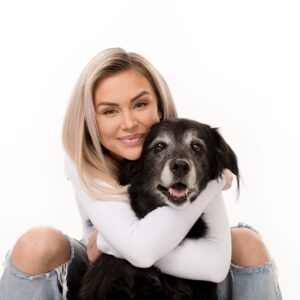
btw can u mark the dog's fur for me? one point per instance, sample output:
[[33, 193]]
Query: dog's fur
[[178, 159]]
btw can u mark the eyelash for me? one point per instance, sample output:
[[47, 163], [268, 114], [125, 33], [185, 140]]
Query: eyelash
[[108, 112], [138, 105]]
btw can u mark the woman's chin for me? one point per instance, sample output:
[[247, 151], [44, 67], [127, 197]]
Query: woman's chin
[[132, 154]]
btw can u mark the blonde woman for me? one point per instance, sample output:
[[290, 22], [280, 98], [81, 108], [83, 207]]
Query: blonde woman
[[116, 99]]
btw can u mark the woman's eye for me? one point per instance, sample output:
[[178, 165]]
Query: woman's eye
[[197, 147], [159, 147], [140, 104], [109, 112]]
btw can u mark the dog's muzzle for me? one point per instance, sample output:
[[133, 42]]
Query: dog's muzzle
[[174, 181]]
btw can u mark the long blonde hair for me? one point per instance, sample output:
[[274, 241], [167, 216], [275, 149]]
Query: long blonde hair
[[80, 131]]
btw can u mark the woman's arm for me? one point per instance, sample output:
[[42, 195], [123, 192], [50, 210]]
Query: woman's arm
[[207, 258], [142, 242]]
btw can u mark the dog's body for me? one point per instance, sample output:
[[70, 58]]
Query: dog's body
[[179, 158]]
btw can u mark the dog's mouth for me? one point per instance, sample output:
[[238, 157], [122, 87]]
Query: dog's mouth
[[177, 192]]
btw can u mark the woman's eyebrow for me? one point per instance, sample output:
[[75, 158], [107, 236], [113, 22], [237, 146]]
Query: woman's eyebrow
[[116, 104]]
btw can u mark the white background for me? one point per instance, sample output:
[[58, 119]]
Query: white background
[[232, 64]]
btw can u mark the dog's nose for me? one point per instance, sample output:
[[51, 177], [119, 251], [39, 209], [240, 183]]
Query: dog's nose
[[179, 167]]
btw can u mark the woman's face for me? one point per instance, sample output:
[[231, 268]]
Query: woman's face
[[126, 107]]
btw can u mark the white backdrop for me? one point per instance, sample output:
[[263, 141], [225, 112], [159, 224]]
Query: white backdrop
[[232, 64]]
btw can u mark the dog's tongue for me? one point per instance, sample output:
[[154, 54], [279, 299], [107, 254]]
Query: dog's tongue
[[178, 190]]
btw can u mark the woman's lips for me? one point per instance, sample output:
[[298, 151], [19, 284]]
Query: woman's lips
[[132, 140]]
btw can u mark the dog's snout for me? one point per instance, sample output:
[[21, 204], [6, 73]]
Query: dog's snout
[[179, 167]]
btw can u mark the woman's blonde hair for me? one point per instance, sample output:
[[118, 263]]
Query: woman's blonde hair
[[80, 130]]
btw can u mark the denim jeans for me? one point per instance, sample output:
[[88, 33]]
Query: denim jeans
[[60, 283], [253, 283]]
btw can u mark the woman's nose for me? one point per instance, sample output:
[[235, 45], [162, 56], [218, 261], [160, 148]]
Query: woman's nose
[[128, 120]]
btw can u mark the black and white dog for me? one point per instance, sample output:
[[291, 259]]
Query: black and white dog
[[178, 159]]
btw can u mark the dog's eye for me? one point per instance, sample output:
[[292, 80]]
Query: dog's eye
[[197, 147], [159, 147]]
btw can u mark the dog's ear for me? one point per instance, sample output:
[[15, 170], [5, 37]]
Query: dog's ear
[[129, 170], [224, 158]]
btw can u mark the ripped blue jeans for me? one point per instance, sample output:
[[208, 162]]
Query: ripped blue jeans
[[60, 283], [253, 283]]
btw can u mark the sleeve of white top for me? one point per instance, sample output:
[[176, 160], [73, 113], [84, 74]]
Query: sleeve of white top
[[142, 241], [207, 258]]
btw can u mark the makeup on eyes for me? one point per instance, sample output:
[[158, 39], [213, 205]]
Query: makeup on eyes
[[113, 107]]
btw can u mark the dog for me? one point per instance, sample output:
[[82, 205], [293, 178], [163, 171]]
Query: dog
[[178, 159]]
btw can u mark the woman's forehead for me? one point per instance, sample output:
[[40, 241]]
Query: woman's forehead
[[124, 85]]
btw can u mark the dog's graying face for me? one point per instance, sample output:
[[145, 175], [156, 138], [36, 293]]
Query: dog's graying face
[[179, 158]]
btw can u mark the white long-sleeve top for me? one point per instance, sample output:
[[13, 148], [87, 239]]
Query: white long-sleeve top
[[155, 238]]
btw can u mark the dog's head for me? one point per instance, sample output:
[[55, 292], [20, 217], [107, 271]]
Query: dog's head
[[179, 158]]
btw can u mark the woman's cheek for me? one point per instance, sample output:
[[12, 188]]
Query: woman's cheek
[[152, 118]]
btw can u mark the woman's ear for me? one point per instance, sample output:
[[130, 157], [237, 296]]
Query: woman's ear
[[160, 115]]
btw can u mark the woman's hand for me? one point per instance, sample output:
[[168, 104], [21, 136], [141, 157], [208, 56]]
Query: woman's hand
[[92, 251], [228, 177]]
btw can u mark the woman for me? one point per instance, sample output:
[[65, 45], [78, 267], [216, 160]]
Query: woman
[[117, 98]]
